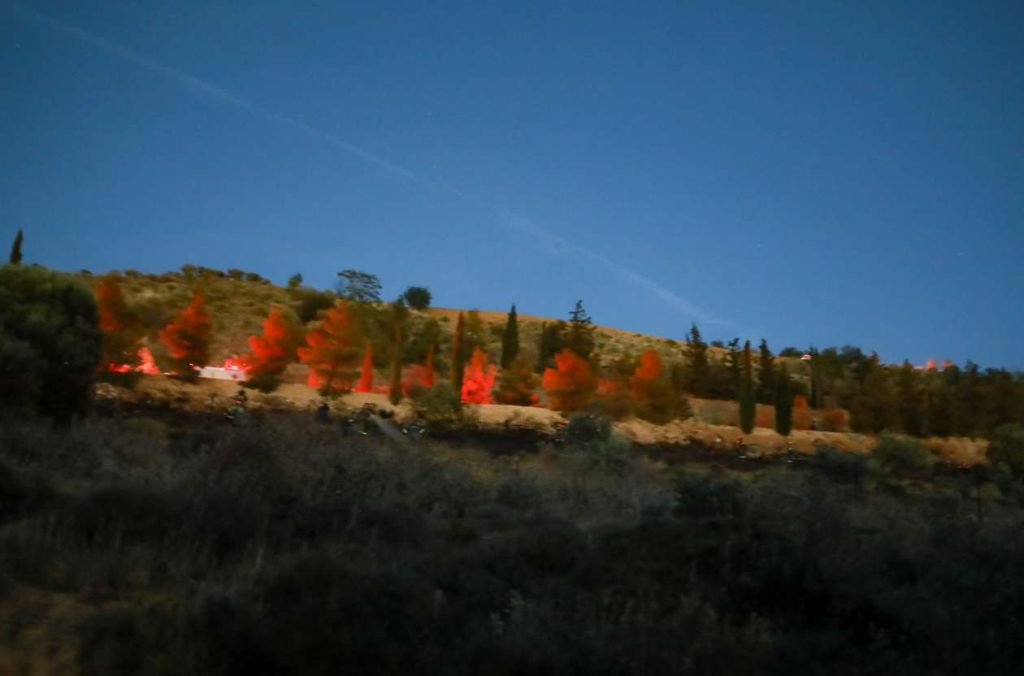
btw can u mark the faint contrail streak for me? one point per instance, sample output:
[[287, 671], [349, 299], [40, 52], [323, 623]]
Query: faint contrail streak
[[507, 217]]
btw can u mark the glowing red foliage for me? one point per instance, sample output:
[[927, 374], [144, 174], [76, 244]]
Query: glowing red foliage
[[516, 384], [801, 413], [478, 379], [332, 349], [273, 350], [647, 372], [365, 383], [122, 328], [571, 384], [187, 337]]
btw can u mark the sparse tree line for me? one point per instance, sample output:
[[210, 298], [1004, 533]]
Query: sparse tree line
[[348, 335]]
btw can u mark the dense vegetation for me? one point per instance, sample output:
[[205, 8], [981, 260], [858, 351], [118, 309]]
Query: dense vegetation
[[178, 546]]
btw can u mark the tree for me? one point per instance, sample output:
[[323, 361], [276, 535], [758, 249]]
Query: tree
[[358, 286], [903, 457], [15, 257], [187, 337], [458, 355], [332, 350], [510, 339], [271, 352], [580, 335], [123, 329], [295, 281], [571, 384], [417, 297], [50, 341], [765, 374], [697, 363], [397, 317], [875, 408], [550, 342], [478, 379], [516, 383], [655, 399], [365, 383], [783, 402], [910, 400], [1007, 449], [748, 404], [734, 367]]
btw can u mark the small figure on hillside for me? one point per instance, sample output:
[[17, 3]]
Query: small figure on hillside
[[323, 413]]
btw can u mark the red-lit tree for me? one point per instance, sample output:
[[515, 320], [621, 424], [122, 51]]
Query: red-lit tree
[[187, 337], [332, 350], [122, 328], [272, 351], [419, 376], [478, 379], [571, 384], [647, 372], [365, 383], [516, 383]]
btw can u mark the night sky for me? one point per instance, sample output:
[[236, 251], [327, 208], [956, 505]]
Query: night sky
[[809, 172]]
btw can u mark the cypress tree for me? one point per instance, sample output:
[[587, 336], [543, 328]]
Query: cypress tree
[[697, 361], [733, 368], [783, 403], [765, 374], [15, 258], [510, 339], [748, 404], [458, 358]]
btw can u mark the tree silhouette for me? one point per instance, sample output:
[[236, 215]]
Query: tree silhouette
[[358, 286], [580, 335], [15, 257], [516, 383], [783, 402], [510, 338], [748, 404]]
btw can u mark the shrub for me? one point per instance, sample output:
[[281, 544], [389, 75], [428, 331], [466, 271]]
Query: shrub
[[417, 297], [903, 457], [708, 496], [50, 341], [439, 406], [839, 465], [1006, 449]]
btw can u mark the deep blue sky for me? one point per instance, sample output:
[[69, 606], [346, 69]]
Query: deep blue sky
[[809, 172]]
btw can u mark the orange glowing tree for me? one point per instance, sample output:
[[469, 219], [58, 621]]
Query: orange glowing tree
[[516, 383], [647, 372], [122, 328], [478, 379], [272, 351], [571, 384], [365, 383], [332, 350], [187, 337], [419, 376]]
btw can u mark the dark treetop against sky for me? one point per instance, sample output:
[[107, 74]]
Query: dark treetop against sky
[[810, 172]]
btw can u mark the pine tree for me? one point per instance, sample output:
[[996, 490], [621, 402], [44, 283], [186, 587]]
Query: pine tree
[[458, 354], [697, 363], [734, 368], [187, 337], [783, 402], [15, 258], [333, 349], [765, 374], [580, 336], [550, 342], [510, 339], [122, 328], [747, 401], [272, 352]]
